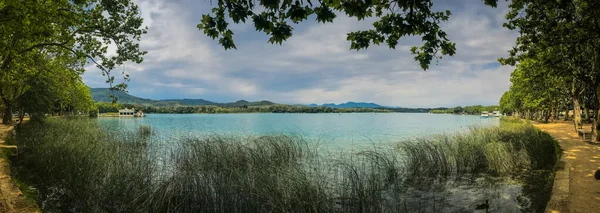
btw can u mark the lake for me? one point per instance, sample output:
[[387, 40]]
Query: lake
[[359, 130], [332, 129]]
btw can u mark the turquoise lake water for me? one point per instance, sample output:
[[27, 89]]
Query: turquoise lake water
[[355, 130], [346, 129]]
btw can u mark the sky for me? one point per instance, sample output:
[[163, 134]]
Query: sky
[[316, 64]]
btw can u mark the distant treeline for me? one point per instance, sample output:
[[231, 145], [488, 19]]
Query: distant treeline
[[471, 110], [412, 110], [104, 107], [107, 107]]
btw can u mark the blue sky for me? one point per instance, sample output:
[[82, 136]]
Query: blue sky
[[316, 65]]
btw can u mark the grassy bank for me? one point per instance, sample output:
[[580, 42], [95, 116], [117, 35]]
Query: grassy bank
[[76, 166], [507, 149]]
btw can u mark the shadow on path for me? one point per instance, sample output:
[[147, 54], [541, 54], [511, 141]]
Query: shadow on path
[[575, 188]]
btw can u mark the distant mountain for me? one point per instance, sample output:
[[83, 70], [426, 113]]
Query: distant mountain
[[102, 95], [350, 105], [190, 102], [246, 103]]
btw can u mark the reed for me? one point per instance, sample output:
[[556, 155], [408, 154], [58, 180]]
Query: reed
[[505, 150], [77, 166]]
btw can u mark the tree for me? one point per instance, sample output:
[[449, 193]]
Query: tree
[[458, 110], [80, 30], [57, 89], [396, 19], [534, 91], [569, 28]]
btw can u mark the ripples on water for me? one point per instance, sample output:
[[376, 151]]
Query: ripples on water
[[341, 130], [356, 131]]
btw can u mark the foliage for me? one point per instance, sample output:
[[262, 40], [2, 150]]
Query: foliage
[[410, 110], [50, 94], [395, 20], [471, 110], [556, 57], [105, 107], [104, 95], [40, 37]]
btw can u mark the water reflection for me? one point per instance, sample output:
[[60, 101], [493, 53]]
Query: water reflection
[[527, 193]]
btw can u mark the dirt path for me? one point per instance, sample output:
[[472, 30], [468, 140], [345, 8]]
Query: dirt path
[[11, 198], [575, 188]]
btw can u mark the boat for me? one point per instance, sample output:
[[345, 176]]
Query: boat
[[484, 114], [139, 114], [497, 113]]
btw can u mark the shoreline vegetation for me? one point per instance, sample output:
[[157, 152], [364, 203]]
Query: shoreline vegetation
[[104, 104], [104, 107], [107, 109], [469, 110], [74, 165]]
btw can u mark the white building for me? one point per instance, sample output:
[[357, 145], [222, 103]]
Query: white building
[[126, 112]]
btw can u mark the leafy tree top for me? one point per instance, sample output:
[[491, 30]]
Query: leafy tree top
[[82, 28], [396, 19]]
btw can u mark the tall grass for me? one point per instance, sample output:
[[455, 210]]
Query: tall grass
[[79, 167], [508, 149]]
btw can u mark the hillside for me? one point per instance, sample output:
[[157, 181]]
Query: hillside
[[246, 103], [102, 95], [350, 105], [190, 102]]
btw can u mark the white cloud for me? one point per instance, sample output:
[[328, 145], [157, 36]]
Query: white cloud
[[326, 42], [316, 64]]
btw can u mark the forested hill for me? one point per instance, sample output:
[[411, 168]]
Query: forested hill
[[205, 106], [350, 105], [103, 95]]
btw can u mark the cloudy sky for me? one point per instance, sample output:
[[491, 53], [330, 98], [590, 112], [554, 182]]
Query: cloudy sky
[[316, 65]]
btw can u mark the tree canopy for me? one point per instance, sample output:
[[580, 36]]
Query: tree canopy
[[37, 37], [395, 20], [557, 58]]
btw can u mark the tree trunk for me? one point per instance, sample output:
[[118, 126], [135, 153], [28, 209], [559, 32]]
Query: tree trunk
[[596, 120], [566, 118], [542, 115], [586, 113], [7, 118], [21, 117], [557, 113], [576, 113], [595, 123]]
